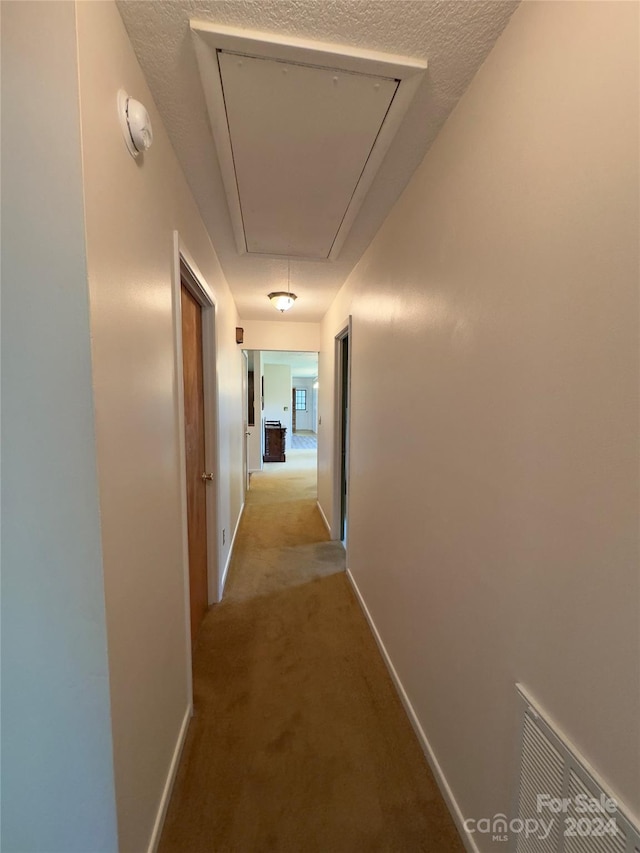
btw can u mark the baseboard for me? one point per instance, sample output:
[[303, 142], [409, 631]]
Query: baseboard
[[324, 517], [440, 778], [168, 785], [223, 579]]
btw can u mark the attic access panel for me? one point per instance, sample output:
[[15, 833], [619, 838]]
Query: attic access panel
[[300, 138], [301, 129]]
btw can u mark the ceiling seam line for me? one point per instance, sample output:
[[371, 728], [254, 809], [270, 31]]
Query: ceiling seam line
[[233, 156], [313, 65], [363, 169]]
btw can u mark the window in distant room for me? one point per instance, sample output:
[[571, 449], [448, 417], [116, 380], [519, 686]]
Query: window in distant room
[[301, 399]]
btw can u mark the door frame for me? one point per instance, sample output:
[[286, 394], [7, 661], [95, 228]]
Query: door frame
[[346, 331], [185, 271], [245, 424]]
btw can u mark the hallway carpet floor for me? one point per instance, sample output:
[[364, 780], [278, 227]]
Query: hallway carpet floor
[[298, 742]]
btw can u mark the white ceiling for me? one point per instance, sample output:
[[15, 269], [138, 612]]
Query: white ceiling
[[455, 38], [301, 363]]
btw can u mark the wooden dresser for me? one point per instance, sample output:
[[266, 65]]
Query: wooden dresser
[[274, 442]]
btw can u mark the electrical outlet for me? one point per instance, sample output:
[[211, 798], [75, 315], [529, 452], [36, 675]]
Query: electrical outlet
[[224, 535]]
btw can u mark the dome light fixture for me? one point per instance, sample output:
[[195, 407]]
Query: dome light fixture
[[282, 300]]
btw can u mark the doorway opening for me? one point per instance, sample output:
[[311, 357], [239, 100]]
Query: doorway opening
[[342, 430], [282, 407]]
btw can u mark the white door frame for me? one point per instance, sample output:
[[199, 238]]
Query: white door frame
[[245, 424], [345, 331], [185, 270]]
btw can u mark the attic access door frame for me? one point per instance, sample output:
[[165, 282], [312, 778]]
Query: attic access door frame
[[217, 46]]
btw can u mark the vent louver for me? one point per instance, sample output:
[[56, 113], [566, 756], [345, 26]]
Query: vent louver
[[605, 843], [552, 769], [542, 770]]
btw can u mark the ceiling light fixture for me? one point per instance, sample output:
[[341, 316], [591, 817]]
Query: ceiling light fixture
[[282, 300]]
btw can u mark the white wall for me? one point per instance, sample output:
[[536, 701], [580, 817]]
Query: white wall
[[57, 772], [132, 209], [314, 408], [305, 420], [277, 395], [281, 335], [493, 519]]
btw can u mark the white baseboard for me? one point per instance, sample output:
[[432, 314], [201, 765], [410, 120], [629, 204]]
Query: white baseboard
[[324, 517], [168, 785], [223, 579], [445, 790]]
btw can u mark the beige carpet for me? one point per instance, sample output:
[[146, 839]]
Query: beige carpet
[[299, 742]]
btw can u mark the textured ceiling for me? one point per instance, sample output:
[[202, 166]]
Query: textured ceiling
[[454, 36]]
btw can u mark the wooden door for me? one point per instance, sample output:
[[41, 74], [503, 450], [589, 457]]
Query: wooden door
[[195, 454]]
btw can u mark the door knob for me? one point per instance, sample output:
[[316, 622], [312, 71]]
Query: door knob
[[206, 476], [247, 433]]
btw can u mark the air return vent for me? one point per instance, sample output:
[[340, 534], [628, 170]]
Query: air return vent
[[560, 798], [301, 129]]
